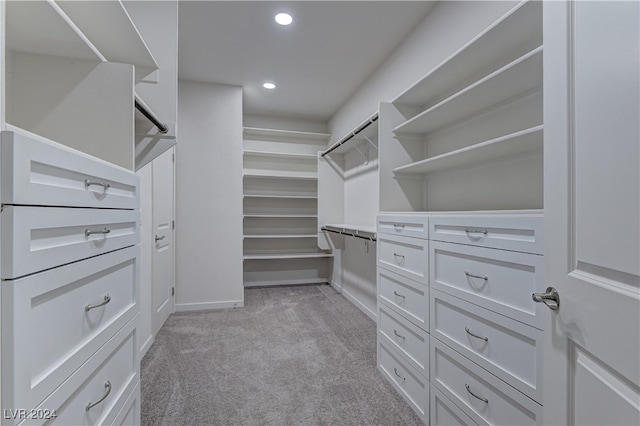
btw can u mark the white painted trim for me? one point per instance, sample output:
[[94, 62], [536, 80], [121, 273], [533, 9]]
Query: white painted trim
[[147, 345], [189, 307], [368, 312]]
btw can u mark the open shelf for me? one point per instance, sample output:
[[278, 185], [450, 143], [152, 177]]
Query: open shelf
[[271, 154], [294, 197], [287, 134], [264, 215], [269, 236], [502, 147], [289, 255], [516, 33], [280, 174], [514, 79], [366, 132]]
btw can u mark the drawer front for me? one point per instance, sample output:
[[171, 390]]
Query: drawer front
[[408, 225], [51, 309], [408, 340], [39, 172], [39, 238], [446, 413], [407, 297], [481, 395], [509, 232], [411, 385], [115, 363], [129, 415], [499, 280], [406, 256], [505, 347]]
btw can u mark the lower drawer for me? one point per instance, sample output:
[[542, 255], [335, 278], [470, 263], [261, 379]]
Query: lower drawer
[[407, 297], [411, 385], [52, 322], [409, 340], [129, 415], [481, 395], [406, 256], [98, 391], [446, 413]]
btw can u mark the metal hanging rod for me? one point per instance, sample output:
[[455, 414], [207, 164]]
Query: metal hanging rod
[[369, 236], [140, 106], [351, 135]]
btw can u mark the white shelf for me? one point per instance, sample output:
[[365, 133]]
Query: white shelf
[[283, 236], [502, 147], [280, 174], [289, 255], [281, 215], [293, 197], [289, 134], [294, 281], [518, 77], [368, 129], [517, 28], [287, 155]]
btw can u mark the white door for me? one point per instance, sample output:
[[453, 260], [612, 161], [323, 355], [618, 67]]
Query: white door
[[163, 247], [592, 212]]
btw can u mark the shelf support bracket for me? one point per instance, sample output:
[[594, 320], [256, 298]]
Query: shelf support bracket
[[371, 142], [366, 156]]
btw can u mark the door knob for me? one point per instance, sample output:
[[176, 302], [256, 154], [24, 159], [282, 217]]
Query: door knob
[[551, 298], [159, 238]]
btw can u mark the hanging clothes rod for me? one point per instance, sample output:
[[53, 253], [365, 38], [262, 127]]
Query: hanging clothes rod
[[365, 235], [144, 110], [351, 135]]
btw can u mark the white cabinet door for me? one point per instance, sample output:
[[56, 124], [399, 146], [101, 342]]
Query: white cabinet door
[[592, 206]]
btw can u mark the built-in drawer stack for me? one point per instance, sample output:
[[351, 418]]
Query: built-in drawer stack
[[486, 331], [69, 268], [403, 306]]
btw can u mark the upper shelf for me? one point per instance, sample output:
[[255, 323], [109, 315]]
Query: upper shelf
[[515, 33], [287, 134], [92, 30], [366, 131], [272, 154], [518, 77]]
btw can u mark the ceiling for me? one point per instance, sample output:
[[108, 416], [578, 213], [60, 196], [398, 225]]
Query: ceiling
[[317, 62]]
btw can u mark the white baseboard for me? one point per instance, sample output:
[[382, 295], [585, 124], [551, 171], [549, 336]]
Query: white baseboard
[[146, 346], [368, 312], [189, 307]]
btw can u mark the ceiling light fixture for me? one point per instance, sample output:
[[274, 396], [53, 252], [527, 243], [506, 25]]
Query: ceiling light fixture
[[284, 18], [269, 85]]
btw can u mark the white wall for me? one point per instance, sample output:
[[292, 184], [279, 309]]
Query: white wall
[[145, 331], [209, 197]]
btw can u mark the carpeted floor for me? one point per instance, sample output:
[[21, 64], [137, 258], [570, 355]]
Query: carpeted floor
[[298, 355]]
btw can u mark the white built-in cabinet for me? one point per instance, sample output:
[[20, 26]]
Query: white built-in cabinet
[[280, 208], [460, 231]]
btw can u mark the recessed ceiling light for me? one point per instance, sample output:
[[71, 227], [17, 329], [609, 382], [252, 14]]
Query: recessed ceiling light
[[269, 85], [284, 19]]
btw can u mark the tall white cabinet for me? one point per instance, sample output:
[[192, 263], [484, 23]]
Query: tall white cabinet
[[280, 208]]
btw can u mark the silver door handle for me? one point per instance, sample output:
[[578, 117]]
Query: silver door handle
[[107, 387], [106, 300], [88, 232], [485, 400], [88, 183], [550, 297], [159, 238]]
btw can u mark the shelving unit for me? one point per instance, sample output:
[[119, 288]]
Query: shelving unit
[[468, 135], [281, 208]]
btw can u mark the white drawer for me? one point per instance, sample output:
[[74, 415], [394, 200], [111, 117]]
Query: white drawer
[[39, 238], [116, 363], [129, 415], [411, 385], [511, 278], [410, 341], [407, 225], [509, 232], [407, 297], [446, 413], [512, 350], [406, 256], [47, 332], [495, 402], [42, 172]]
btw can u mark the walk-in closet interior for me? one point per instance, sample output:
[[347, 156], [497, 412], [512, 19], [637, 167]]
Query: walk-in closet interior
[[318, 212]]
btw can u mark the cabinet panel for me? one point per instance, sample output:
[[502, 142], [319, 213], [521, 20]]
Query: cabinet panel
[[407, 339], [517, 233], [407, 225], [41, 172], [406, 256], [446, 413], [509, 349], [49, 310], [129, 415], [498, 280], [407, 297], [484, 397], [38, 238]]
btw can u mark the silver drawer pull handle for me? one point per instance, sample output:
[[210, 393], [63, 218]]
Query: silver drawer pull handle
[[485, 400], [395, 370], [398, 334], [159, 238], [106, 300], [482, 277], [476, 231], [398, 227], [88, 183], [107, 386], [88, 232], [486, 339], [398, 294], [398, 255]]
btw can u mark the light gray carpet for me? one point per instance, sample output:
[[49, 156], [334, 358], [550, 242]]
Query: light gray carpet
[[299, 355]]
